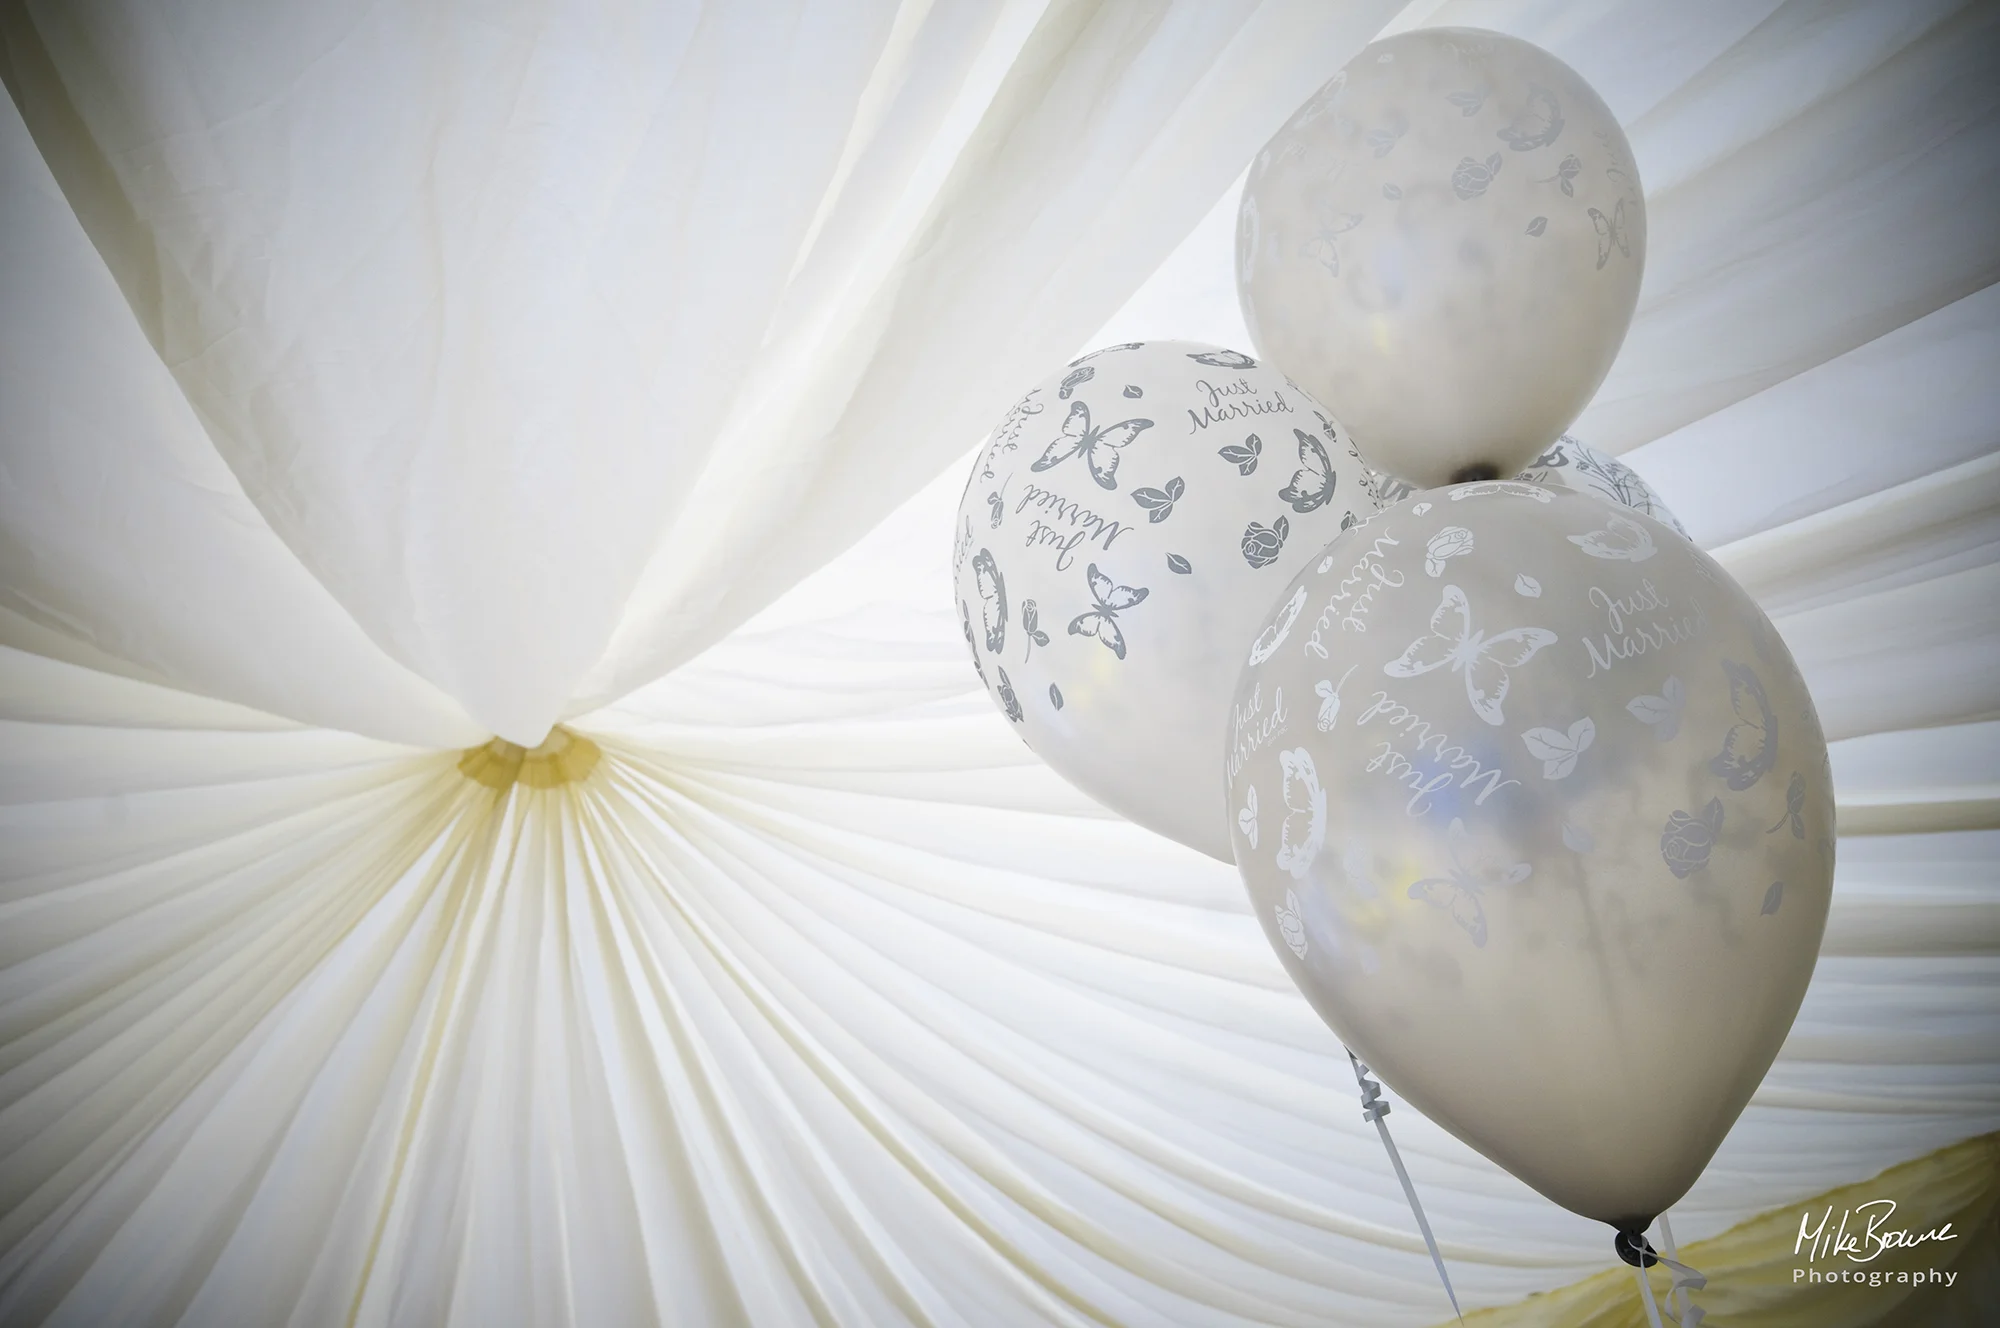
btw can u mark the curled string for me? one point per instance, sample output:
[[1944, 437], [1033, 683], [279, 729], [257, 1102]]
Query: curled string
[[1686, 1280], [1373, 1108]]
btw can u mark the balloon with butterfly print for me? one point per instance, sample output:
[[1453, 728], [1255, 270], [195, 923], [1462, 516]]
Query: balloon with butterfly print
[[1125, 528], [1444, 245], [1546, 834]]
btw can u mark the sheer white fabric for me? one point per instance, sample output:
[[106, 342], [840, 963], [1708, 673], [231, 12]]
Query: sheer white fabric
[[375, 381]]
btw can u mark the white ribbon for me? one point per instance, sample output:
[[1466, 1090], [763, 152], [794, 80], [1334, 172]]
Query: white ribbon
[[1686, 1280], [1373, 1108]]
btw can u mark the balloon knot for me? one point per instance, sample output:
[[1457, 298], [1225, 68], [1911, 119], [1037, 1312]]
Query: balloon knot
[[562, 758], [1634, 1249]]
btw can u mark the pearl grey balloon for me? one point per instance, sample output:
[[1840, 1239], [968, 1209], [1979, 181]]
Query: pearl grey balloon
[[1534, 805], [1444, 245], [1129, 521]]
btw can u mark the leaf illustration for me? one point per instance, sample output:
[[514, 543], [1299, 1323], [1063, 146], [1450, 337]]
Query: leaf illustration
[[1243, 456], [1577, 839], [1391, 191], [1663, 712], [1795, 808], [1556, 750], [1468, 103], [1527, 587], [1055, 696], [1176, 563], [1538, 225], [1133, 391], [1159, 503], [1773, 897]]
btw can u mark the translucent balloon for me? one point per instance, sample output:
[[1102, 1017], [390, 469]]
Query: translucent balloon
[[1125, 529], [1535, 808], [1568, 465], [1445, 246]]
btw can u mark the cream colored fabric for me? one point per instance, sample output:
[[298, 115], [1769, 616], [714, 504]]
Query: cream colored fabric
[[816, 998]]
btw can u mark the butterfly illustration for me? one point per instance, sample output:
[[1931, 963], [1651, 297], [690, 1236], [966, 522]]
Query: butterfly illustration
[[1312, 483], [1246, 819], [1159, 503], [1621, 539], [1290, 925], [1557, 750], [1537, 125], [1224, 359], [992, 598], [965, 621], [1663, 712], [1268, 641], [1751, 746], [1098, 447], [1795, 808], [1243, 456], [998, 508], [1304, 830], [1102, 621], [1031, 625], [1008, 701], [1610, 233], [1324, 248], [1486, 661], [1328, 692], [1459, 892], [1075, 379]]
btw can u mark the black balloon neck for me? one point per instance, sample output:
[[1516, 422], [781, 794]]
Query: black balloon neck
[[1634, 1249], [1477, 470]]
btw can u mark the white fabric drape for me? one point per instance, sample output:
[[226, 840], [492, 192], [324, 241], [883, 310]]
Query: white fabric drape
[[374, 381]]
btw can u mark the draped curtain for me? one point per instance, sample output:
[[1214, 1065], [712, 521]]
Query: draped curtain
[[382, 387]]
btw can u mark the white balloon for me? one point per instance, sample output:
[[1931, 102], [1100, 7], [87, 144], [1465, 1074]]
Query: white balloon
[[1445, 245], [1537, 813], [1124, 531], [1568, 465]]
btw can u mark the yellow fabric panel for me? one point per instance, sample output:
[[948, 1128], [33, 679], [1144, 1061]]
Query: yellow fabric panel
[[562, 758], [1755, 1280]]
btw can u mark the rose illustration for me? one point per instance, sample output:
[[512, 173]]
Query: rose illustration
[[1290, 925], [1686, 841], [1448, 543], [1470, 178], [1261, 542]]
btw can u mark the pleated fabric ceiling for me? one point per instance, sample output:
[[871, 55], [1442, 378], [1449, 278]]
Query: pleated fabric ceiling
[[484, 844]]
